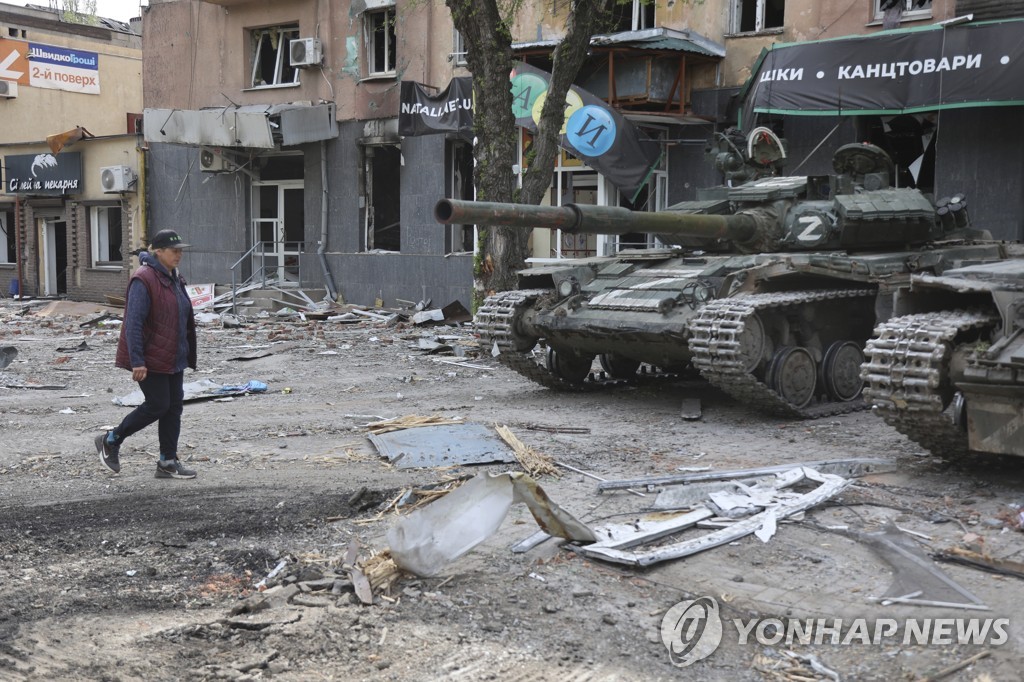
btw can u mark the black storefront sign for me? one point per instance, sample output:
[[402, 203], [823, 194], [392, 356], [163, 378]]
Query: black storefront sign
[[47, 174], [448, 111], [891, 72]]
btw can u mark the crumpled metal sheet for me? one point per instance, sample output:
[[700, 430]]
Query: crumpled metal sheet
[[431, 538], [442, 445], [204, 389]]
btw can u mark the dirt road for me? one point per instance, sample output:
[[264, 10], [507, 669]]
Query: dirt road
[[126, 577]]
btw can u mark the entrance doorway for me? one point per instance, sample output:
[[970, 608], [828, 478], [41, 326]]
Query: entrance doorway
[[278, 231], [53, 256]]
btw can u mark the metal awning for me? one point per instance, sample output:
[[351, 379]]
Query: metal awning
[[257, 126], [649, 39]]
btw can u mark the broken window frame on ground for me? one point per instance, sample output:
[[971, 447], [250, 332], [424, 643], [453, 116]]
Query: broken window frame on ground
[[106, 235], [380, 41], [744, 10], [277, 39], [382, 198]]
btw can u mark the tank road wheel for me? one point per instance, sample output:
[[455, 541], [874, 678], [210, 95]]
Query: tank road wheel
[[840, 371], [753, 343], [619, 367], [570, 366], [793, 374]]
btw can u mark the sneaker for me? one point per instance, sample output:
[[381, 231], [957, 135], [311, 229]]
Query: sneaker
[[171, 468], [108, 452]]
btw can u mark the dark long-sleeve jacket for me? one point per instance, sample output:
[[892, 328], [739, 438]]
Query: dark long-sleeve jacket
[[159, 331]]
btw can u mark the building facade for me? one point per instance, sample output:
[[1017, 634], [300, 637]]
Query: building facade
[[274, 145], [70, 100]]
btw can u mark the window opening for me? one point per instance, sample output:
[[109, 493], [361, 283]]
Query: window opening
[[106, 235], [382, 183], [758, 15], [460, 238], [458, 49], [8, 240], [910, 8], [633, 16], [271, 64], [381, 42]]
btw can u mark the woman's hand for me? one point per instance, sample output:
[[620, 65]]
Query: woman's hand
[[139, 373]]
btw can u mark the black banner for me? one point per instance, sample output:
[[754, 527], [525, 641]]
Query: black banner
[[593, 131], [902, 71], [47, 173], [449, 111]]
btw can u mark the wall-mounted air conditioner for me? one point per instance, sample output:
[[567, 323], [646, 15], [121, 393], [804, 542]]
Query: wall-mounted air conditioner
[[212, 160], [8, 89], [305, 52], [116, 179]]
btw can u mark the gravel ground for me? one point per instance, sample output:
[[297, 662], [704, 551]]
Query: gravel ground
[[125, 577]]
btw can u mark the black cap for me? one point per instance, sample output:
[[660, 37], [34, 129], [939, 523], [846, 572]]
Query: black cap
[[167, 239]]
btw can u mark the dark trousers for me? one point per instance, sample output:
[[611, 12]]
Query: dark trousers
[[164, 402]]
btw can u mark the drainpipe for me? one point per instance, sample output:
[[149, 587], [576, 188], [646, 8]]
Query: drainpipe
[[141, 194], [332, 289], [17, 240]]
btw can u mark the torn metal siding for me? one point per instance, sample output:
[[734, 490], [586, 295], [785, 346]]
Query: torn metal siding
[[254, 126]]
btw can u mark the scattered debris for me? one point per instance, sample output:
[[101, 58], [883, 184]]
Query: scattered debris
[[430, 538], [535, 463], [595, 477], [829, 485], [74, 349], [204, 389], [965, 557], [691, 410], [848, 468], [7, 355], [408, 422], [967, 662], [444, 444], [255, 355]]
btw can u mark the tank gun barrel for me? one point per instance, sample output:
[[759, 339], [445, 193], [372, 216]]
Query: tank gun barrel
[[587, 219]]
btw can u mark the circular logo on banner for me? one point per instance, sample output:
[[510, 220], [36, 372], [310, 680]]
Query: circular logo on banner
[[526, 88], [572, 105], [591, 130], [691, 630]]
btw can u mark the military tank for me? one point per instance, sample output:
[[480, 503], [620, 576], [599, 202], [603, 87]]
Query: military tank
[[948, 369], [769, 288]]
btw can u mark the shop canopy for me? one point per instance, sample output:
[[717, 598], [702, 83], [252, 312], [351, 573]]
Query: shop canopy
[[958, 64]]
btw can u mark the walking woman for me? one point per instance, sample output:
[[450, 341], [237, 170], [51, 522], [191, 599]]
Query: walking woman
[[157, 343]]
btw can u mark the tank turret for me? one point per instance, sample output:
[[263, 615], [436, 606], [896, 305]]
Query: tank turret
[[770, 288], [854, 209]]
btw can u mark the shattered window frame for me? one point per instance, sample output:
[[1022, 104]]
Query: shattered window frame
[[741, 16], [107, 238], [638, 15], [278, 40], [381, 42], [909, 11]]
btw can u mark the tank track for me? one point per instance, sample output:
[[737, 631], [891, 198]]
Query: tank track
[[905, 370], [495, 325], [714, 341]]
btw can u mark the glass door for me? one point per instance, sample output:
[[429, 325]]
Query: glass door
[[278, 231]]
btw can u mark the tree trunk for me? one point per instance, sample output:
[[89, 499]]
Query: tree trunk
[[488, 41]]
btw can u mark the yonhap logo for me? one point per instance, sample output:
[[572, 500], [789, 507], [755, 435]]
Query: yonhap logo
[[691, 631]]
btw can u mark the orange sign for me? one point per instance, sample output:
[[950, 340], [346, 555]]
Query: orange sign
[[14, 61]]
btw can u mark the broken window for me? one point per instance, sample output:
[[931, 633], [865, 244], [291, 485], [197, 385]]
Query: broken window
[[758, 15], [105, 224], [459, 185], [458, 54], [911, 8], [380, 41], [633, 16], [271, 64], [382, 166], [8, 240]]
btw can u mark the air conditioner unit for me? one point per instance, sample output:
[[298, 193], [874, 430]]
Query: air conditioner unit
[[8, 89], [117, 179], [305, 52], [212, 160]]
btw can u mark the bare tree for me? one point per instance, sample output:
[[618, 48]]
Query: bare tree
[[78, 11], [485, 28]]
